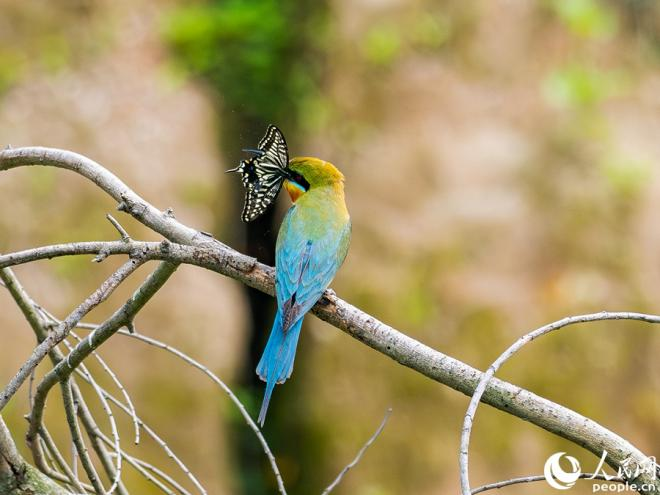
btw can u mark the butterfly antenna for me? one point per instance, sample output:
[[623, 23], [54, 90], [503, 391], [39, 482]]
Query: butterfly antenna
[[255, 152]]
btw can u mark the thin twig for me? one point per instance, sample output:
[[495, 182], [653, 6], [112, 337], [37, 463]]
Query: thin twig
[[468, 420], [114, 472], [359, 455], [253, 426], [70, 473], [150, 468], [531, 479], [93, 432], [246, 416], [74, 459], [40, 457], [137, 465], [31, 389], [120, 386], [81, 449], [122, 232], [52, 468], [104, 365], [151, 433]]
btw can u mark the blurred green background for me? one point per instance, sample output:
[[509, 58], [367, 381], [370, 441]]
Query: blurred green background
[[501, 162]]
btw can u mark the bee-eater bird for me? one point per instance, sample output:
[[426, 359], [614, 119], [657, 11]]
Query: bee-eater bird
[[311, 246]]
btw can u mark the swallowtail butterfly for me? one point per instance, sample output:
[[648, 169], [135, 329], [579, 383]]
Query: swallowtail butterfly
[[262, 175]]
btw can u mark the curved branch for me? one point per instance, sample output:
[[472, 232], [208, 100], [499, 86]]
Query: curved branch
[[508, 353], [403, 349], [162, 222], [468, 420]]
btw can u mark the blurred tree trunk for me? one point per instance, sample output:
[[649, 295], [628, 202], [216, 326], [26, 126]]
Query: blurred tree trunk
[[263, 60]]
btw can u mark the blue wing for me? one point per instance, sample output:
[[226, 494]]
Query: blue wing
[[305, 267]]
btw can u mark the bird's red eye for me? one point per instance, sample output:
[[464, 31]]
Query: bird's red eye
[[300, 180]]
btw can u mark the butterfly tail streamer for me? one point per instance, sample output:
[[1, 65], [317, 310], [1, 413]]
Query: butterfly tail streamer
[[276, 364]]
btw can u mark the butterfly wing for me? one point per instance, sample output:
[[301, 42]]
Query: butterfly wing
[[274, 147], [262, 174], [259, 195]]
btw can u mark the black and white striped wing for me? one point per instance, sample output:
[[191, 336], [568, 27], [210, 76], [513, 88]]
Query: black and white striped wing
[[274, 147], [262, 175], [260, 196]]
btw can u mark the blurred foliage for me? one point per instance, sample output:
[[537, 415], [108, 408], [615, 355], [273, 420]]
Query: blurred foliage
[[259, 54], [587, 18], [386, 40], [32, 38], [581, 86], [382, 44]]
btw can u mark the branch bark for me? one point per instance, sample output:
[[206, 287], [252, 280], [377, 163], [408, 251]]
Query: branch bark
[[17, 477], [201, 250]]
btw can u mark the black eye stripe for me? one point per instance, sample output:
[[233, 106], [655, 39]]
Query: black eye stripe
[[300, 180]]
